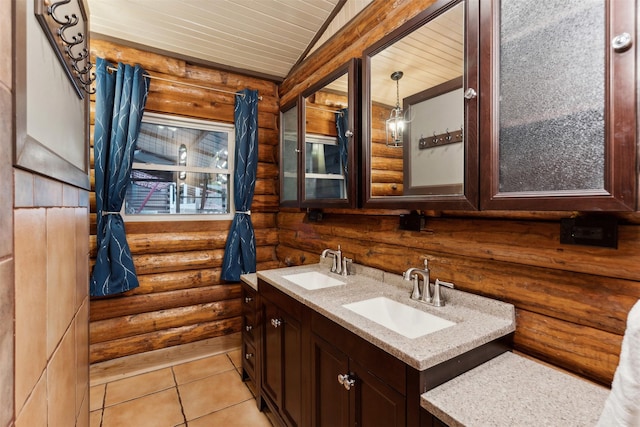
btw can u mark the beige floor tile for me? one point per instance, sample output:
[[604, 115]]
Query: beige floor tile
[[202, 368], [240, 415], [96, 397], [160, 409], [95, 418], [213, 393], [236, 358], [138, 386]]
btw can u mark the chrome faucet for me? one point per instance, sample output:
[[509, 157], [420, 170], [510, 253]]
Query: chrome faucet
[[336, 267], [425, 296]]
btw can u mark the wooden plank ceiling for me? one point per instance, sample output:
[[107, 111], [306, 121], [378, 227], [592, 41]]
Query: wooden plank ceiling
[[265, 37]]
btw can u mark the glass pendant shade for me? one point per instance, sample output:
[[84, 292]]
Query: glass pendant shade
[[395, 122]]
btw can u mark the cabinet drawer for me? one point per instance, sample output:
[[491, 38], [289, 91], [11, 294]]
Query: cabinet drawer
[[249, 326], [249, 359], [248, 296]]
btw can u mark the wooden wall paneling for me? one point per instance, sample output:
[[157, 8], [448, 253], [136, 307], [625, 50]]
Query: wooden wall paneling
[[586, 351]]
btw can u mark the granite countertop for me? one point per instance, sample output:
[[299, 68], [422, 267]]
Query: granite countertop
[[250, 279], [512, 390], [478, 319]]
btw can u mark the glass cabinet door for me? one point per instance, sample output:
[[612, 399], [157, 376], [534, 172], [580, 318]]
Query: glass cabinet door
[[289, 157], [329, 134], [557, 119]]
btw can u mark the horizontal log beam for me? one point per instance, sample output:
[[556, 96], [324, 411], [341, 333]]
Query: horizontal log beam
[[108, 308], [162, 339], [583, 350], [138, 324]]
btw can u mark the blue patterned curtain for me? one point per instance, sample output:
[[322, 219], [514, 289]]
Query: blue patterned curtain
[[120, 100], [240, 250], [342, 125]]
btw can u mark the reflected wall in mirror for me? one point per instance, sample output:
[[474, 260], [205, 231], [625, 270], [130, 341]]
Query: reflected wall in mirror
[[329, 140], [434, 160]]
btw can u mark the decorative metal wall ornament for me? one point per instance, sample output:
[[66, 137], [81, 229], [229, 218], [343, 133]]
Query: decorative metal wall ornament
[[66, 26]]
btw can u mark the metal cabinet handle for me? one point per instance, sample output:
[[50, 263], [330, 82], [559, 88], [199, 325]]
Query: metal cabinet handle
[[248, 299], [622, 42], [348, 134], [346, 381], [248, 356], [276, 322], [470, 93], [248, 328]]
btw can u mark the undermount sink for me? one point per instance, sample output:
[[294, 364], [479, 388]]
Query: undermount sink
[[312, 280], [400, 318]]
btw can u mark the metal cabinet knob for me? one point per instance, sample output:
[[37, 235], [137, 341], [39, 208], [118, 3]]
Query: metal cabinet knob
[[621, 42], [248, 299], [346, 381], [248, 328], [470, 93], [276, 322], [348, 134], [248, 356]]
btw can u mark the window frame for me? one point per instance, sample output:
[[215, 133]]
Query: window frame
[[191, 123]]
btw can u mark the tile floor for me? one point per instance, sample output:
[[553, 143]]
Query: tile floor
[[205, 392]]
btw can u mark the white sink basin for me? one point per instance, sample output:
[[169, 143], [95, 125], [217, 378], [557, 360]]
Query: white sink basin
[[312, 280], [400, 318]]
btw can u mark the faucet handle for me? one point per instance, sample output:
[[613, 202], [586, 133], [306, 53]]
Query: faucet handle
[[346, 262], [437, 299]]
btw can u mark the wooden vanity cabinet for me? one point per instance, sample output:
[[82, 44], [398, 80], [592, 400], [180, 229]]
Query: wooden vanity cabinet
[[301, 353], [281, 355]]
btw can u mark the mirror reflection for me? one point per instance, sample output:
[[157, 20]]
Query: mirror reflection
[[417, 111], [326, 141]]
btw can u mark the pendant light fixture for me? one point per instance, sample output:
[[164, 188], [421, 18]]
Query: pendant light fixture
[[395, 123]]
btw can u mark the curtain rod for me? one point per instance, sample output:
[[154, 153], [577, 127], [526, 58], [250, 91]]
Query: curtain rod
[[113, 69], [324, 109]]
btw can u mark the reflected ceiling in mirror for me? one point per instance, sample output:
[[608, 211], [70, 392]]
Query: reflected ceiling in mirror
[[431, 58]]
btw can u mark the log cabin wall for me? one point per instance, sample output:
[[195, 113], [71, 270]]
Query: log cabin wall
[[571, 301], [181, 298]]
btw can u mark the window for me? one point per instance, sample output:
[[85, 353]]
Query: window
[[181, 167]]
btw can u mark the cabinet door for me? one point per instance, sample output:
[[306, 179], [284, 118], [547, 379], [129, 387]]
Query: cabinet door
[[557, 105], [330, 399], [376, 404], [272, 352], [281, 357], [292, 381], [289, 156]]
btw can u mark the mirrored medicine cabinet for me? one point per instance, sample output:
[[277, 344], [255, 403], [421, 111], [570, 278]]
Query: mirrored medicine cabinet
[[318, 143], [420, 147]]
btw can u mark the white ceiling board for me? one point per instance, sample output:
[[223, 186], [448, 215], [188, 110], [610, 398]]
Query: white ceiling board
[[261, 36]]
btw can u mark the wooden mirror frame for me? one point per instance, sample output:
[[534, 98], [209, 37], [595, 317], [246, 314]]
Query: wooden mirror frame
[[469, 199]]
